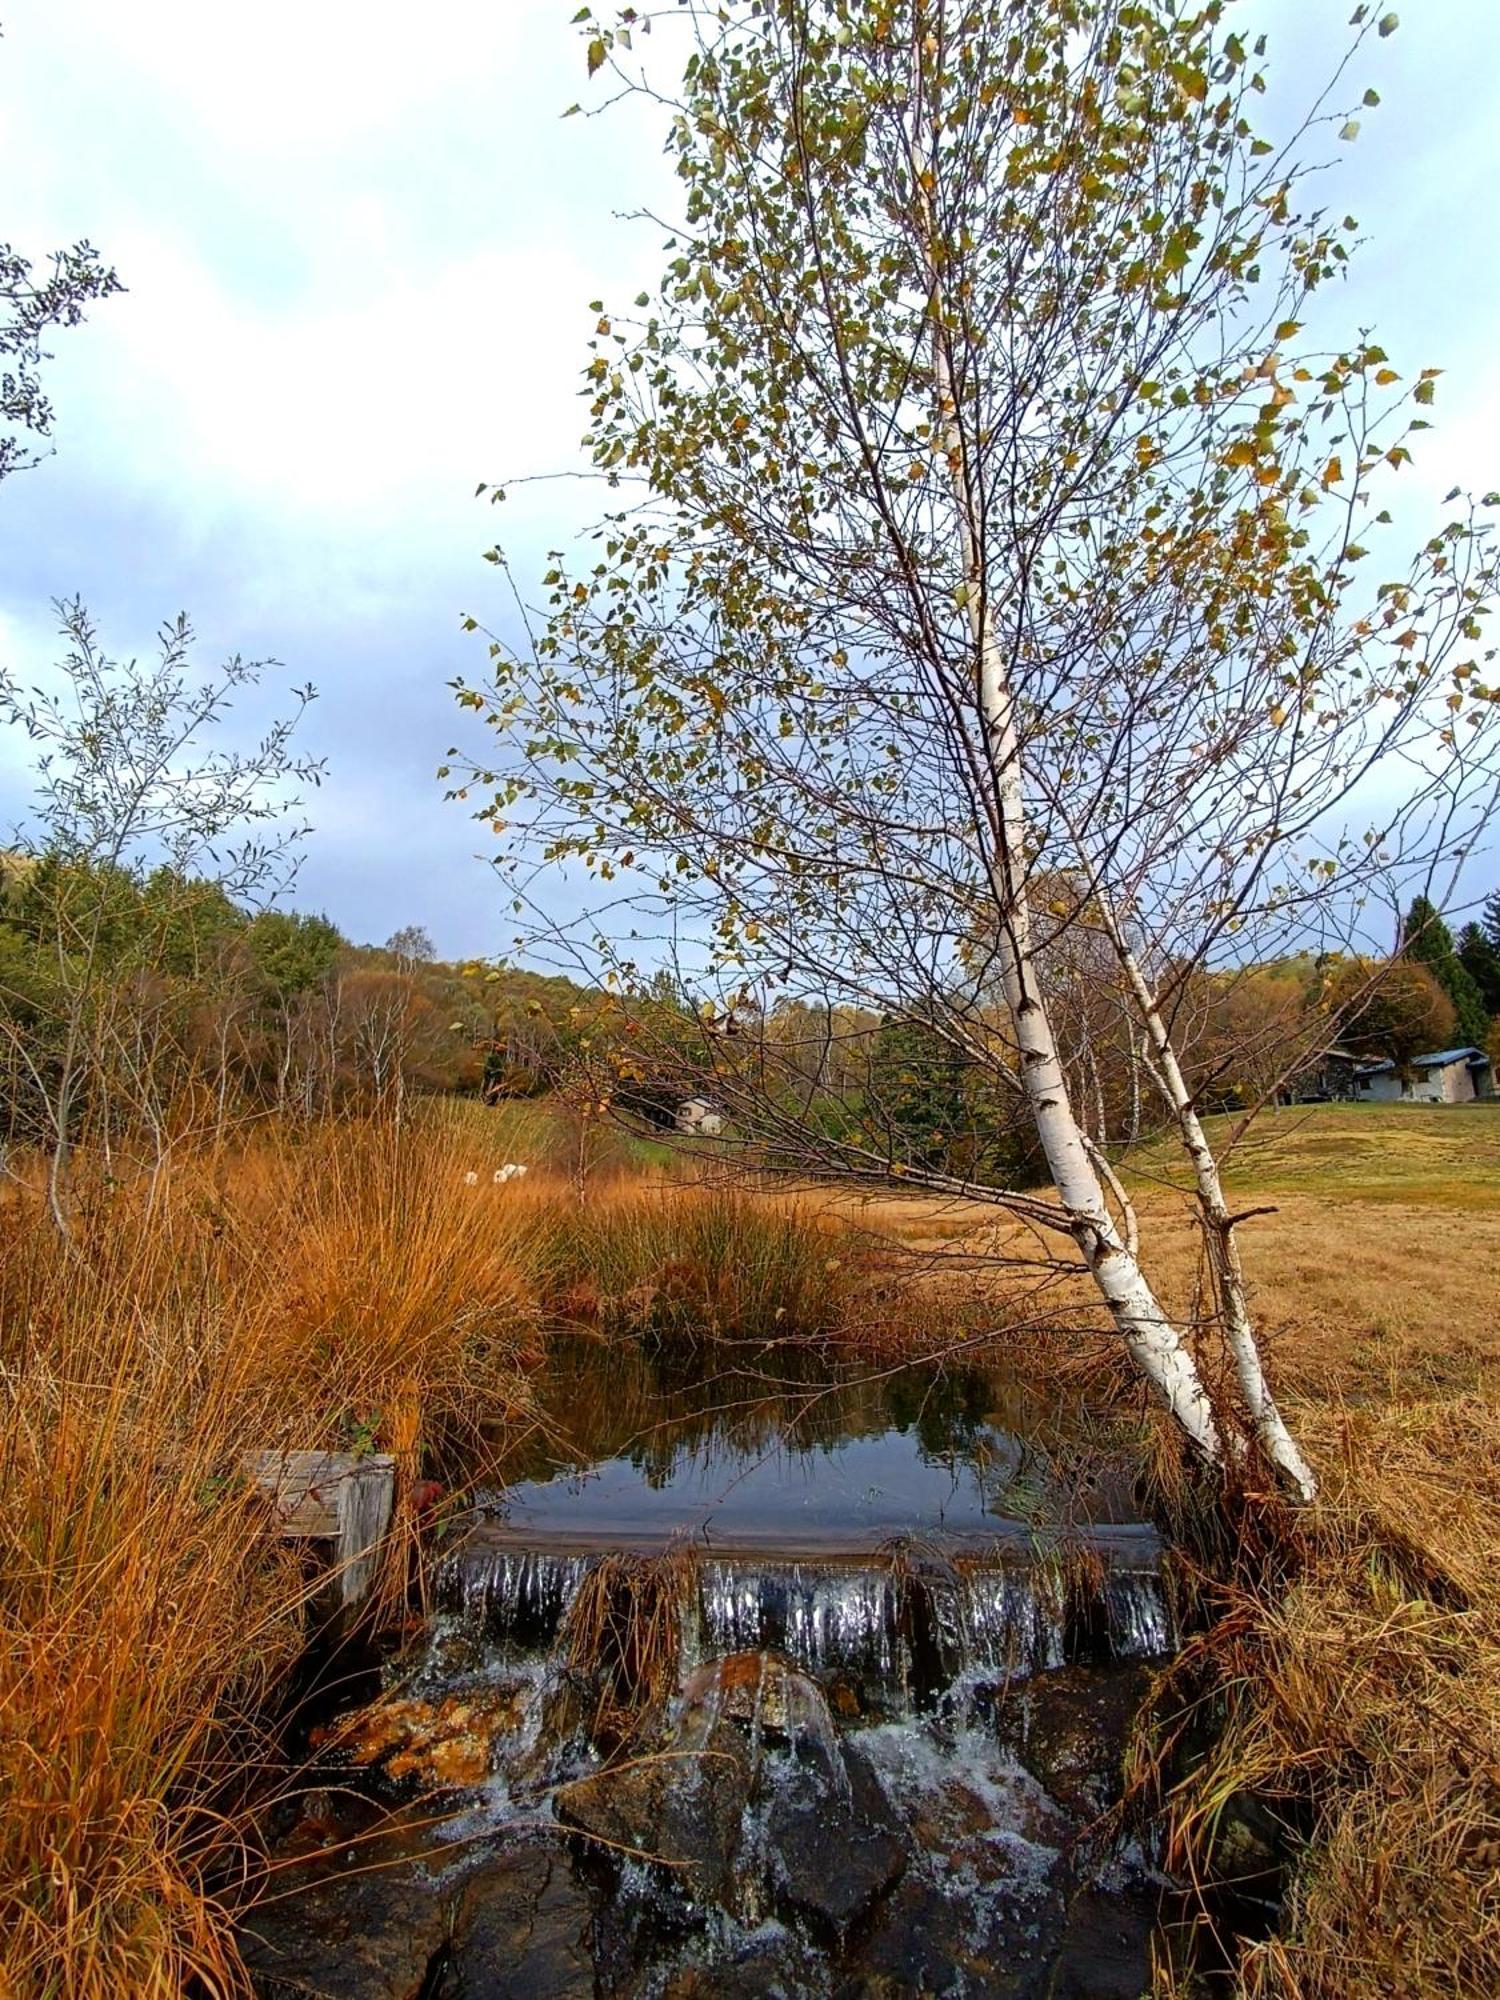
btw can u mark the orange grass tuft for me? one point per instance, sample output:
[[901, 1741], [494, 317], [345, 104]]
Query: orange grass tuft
[[342, 1287]]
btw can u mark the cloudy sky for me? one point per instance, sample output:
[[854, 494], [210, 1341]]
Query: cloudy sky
[[359, 242]]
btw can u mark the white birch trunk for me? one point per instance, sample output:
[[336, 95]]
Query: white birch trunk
[[1271, 1432], [1153, 1342]]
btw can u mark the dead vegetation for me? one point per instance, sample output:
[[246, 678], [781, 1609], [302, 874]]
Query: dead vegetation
[[1342, 1702], [1343, 1698], [621, 1642], [346, 1286], [336, 1288]]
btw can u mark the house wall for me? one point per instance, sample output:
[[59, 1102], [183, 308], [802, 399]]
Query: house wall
[[1457, 1084], [1381, 1089], [1452, 1084]]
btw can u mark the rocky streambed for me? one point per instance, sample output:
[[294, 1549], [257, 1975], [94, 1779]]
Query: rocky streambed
[[757, 1746]]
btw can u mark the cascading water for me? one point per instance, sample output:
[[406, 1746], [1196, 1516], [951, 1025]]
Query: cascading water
[[902, 1629], [905, 1648]]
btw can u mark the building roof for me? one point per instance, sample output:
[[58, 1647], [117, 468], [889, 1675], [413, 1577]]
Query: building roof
[[1438, 1059]]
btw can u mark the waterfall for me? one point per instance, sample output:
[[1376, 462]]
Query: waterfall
[[516, 1596], [903, 1631]]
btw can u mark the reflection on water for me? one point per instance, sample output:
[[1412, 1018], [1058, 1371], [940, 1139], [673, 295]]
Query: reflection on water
[[774, 1448]]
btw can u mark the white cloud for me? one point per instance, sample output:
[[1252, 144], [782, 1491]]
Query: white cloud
[[297, 78], [359, 245], [339, 410]]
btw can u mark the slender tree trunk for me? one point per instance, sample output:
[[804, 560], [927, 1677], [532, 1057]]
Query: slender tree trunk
[[1271, 1432], [1153, 1342], [1134, 1133]]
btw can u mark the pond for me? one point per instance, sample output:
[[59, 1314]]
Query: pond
[[752, 1672], [775, 1450]]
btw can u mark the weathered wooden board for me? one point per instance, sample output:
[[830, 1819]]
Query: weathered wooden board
[[332, 1496]]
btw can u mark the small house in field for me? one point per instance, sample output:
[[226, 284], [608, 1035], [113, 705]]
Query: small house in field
[[1328, 1077], [1447, 1076], [698, 1119]]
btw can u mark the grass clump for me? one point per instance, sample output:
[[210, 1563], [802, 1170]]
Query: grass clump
[[1347, 1690], [622, 1640], [298, 1294], [704, 1261]]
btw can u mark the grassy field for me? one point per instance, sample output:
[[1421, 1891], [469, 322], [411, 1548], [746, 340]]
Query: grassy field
[[1376, 1277]]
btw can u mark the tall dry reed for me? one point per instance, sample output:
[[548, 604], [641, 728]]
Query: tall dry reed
[[331, 1291], [343, 1287]]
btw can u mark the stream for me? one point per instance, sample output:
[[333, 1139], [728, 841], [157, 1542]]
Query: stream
[[750, 1675]]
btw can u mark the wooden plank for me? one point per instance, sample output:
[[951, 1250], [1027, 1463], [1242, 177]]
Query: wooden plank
[[366, 1513], [335, 1497]]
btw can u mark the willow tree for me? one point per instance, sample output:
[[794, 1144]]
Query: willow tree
[[987, 524]]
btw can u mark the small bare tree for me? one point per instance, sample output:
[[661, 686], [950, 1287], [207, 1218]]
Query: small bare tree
[[988, 587], [129, 792]]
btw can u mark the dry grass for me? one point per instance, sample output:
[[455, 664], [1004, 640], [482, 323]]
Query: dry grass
[[340, 1288], [1350, 1678], [704, 1261], [312, 1294], [622, 1641], [1348, 1683]]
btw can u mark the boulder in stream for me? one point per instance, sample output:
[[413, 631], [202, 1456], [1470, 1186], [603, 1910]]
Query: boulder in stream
[[833, 1843], [681, 1808], [523, 1931], [516, 1927], [752, 1736], [1069, 1727], [451, 1741], [365, 1934]]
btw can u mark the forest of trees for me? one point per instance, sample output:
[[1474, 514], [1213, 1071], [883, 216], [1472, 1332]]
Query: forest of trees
[[194, 1009], [197, 1009]]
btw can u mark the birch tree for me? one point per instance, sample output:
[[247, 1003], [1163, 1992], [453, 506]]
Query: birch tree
[[983, 517]]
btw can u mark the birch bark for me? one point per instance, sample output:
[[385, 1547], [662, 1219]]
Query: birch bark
[[1153, 1342], [1271, 1432]]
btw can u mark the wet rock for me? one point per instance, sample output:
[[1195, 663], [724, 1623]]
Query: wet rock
[[372, 1935], [682, 1808], [771, 1964], [1252, 1847], [523, 1931], [833, 1842], [1069, 1728], [928, 1943], [450, 1742], [1106, 1950], [960, 1812], [762, 1692]]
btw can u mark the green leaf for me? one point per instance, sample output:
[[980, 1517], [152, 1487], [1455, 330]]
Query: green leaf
[[597, 53], [1350, 129], [1389, 23]]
